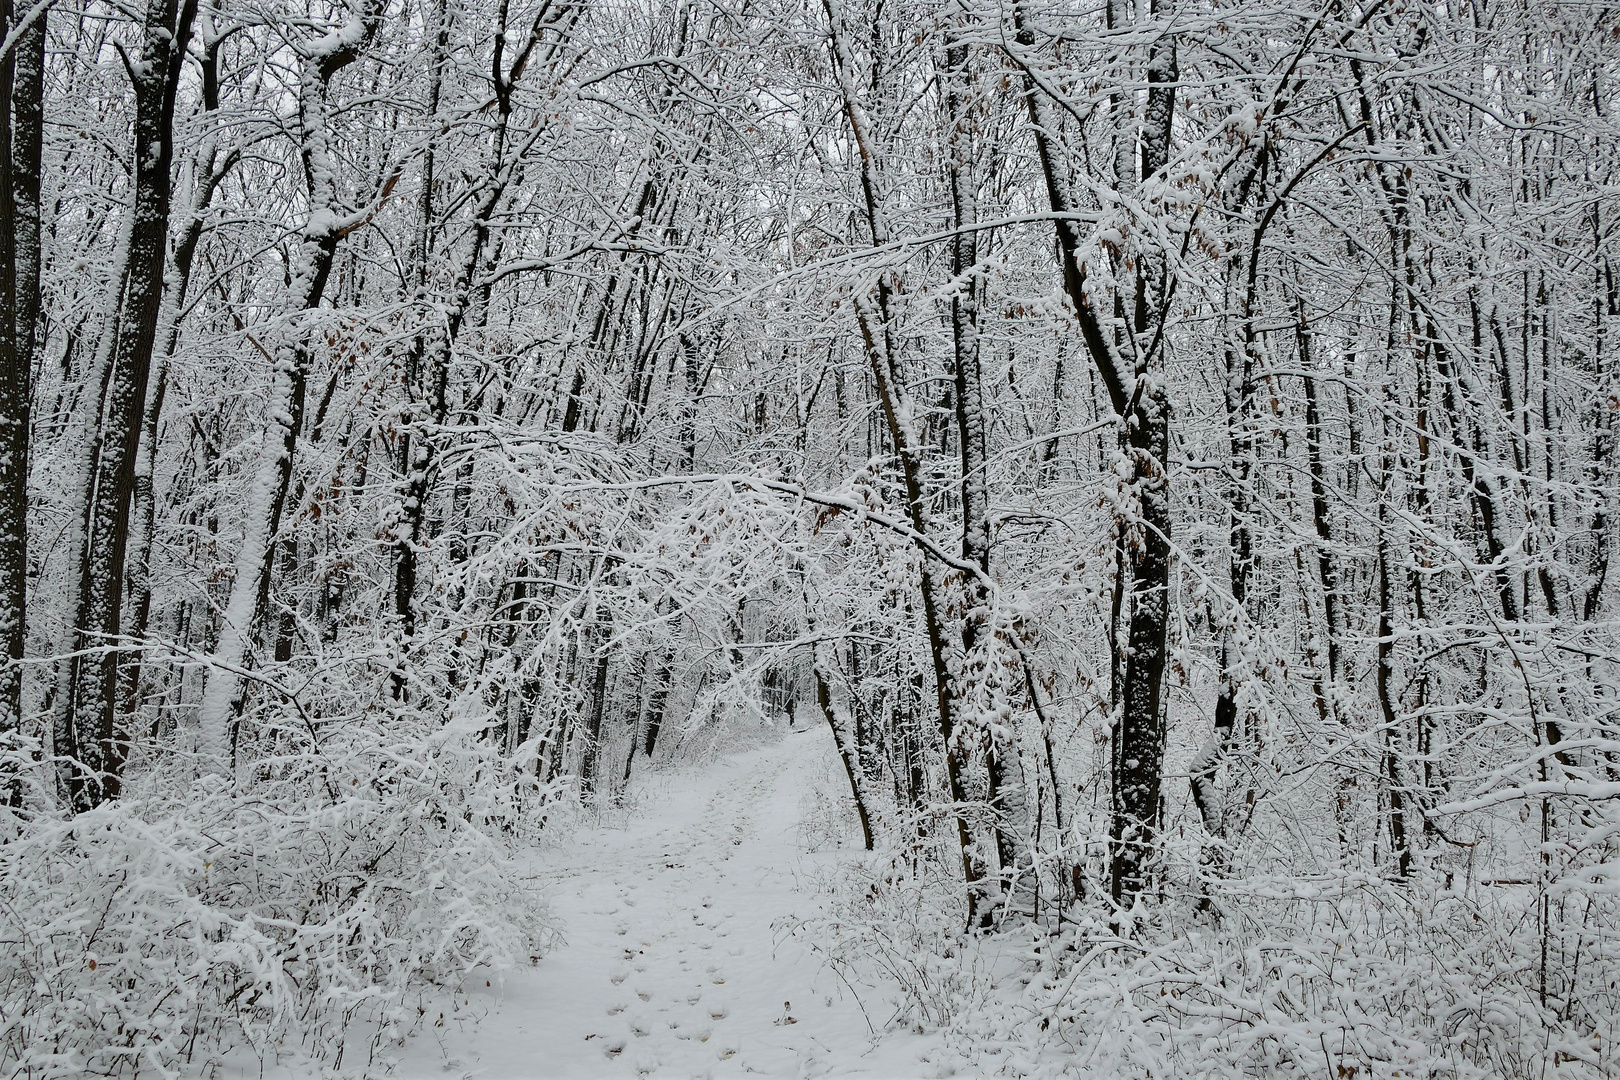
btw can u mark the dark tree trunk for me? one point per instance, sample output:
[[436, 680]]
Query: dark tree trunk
[[98, 747], [848, 750], [655, 709], [876, 328], [19, 307], [1139, 401], [137, 571], [598, 706], [1008, 805]]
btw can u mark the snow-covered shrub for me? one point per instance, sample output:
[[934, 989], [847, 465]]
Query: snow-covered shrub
[[1347, 976], [894, 921], [827, 817], [299, 909]]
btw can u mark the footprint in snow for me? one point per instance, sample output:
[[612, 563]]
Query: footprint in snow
[[618, 976]]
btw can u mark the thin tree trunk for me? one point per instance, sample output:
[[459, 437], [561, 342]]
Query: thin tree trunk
[[876, 328], [137, 569], [593, 727], [848, 749], [1009, 805], [138, 582], [655, 709]]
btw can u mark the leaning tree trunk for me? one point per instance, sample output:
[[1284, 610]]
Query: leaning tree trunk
[[225, 695], [844, 739], [840, 722]]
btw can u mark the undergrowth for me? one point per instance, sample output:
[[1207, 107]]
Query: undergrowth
[[295, 914], [1343, 976]]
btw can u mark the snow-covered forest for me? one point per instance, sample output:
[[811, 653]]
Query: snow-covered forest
[[1122, 491]]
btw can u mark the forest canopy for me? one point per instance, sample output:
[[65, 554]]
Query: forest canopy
[[1169, 443]]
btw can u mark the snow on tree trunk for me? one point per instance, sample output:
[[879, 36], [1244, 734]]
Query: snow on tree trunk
[[224, 696]]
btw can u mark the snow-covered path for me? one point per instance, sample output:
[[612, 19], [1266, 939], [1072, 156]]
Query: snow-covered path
[[678, 961]]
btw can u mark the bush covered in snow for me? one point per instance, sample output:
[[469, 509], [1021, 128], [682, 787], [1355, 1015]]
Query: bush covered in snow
[[1342, 975], [184, 919]]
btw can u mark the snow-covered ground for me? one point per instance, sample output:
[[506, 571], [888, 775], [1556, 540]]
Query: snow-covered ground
[[678, 957]]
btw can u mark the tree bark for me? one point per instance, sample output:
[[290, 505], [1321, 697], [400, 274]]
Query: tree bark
[[876, 328], [225, 694], [100, 746], [1141, 404], [19, 307], [137, 571], [848, 749]]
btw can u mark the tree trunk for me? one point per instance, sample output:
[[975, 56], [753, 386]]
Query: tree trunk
[[19, 305], [603, 633], [1009, 806], [1141, 404], [848, 750], [100, 747], [225, 694], [876, 328], [137, 573]]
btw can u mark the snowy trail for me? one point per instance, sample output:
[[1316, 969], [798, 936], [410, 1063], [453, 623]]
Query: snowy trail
[[677, 960]]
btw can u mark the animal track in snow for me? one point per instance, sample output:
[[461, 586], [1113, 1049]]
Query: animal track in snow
[[676, 1004]]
